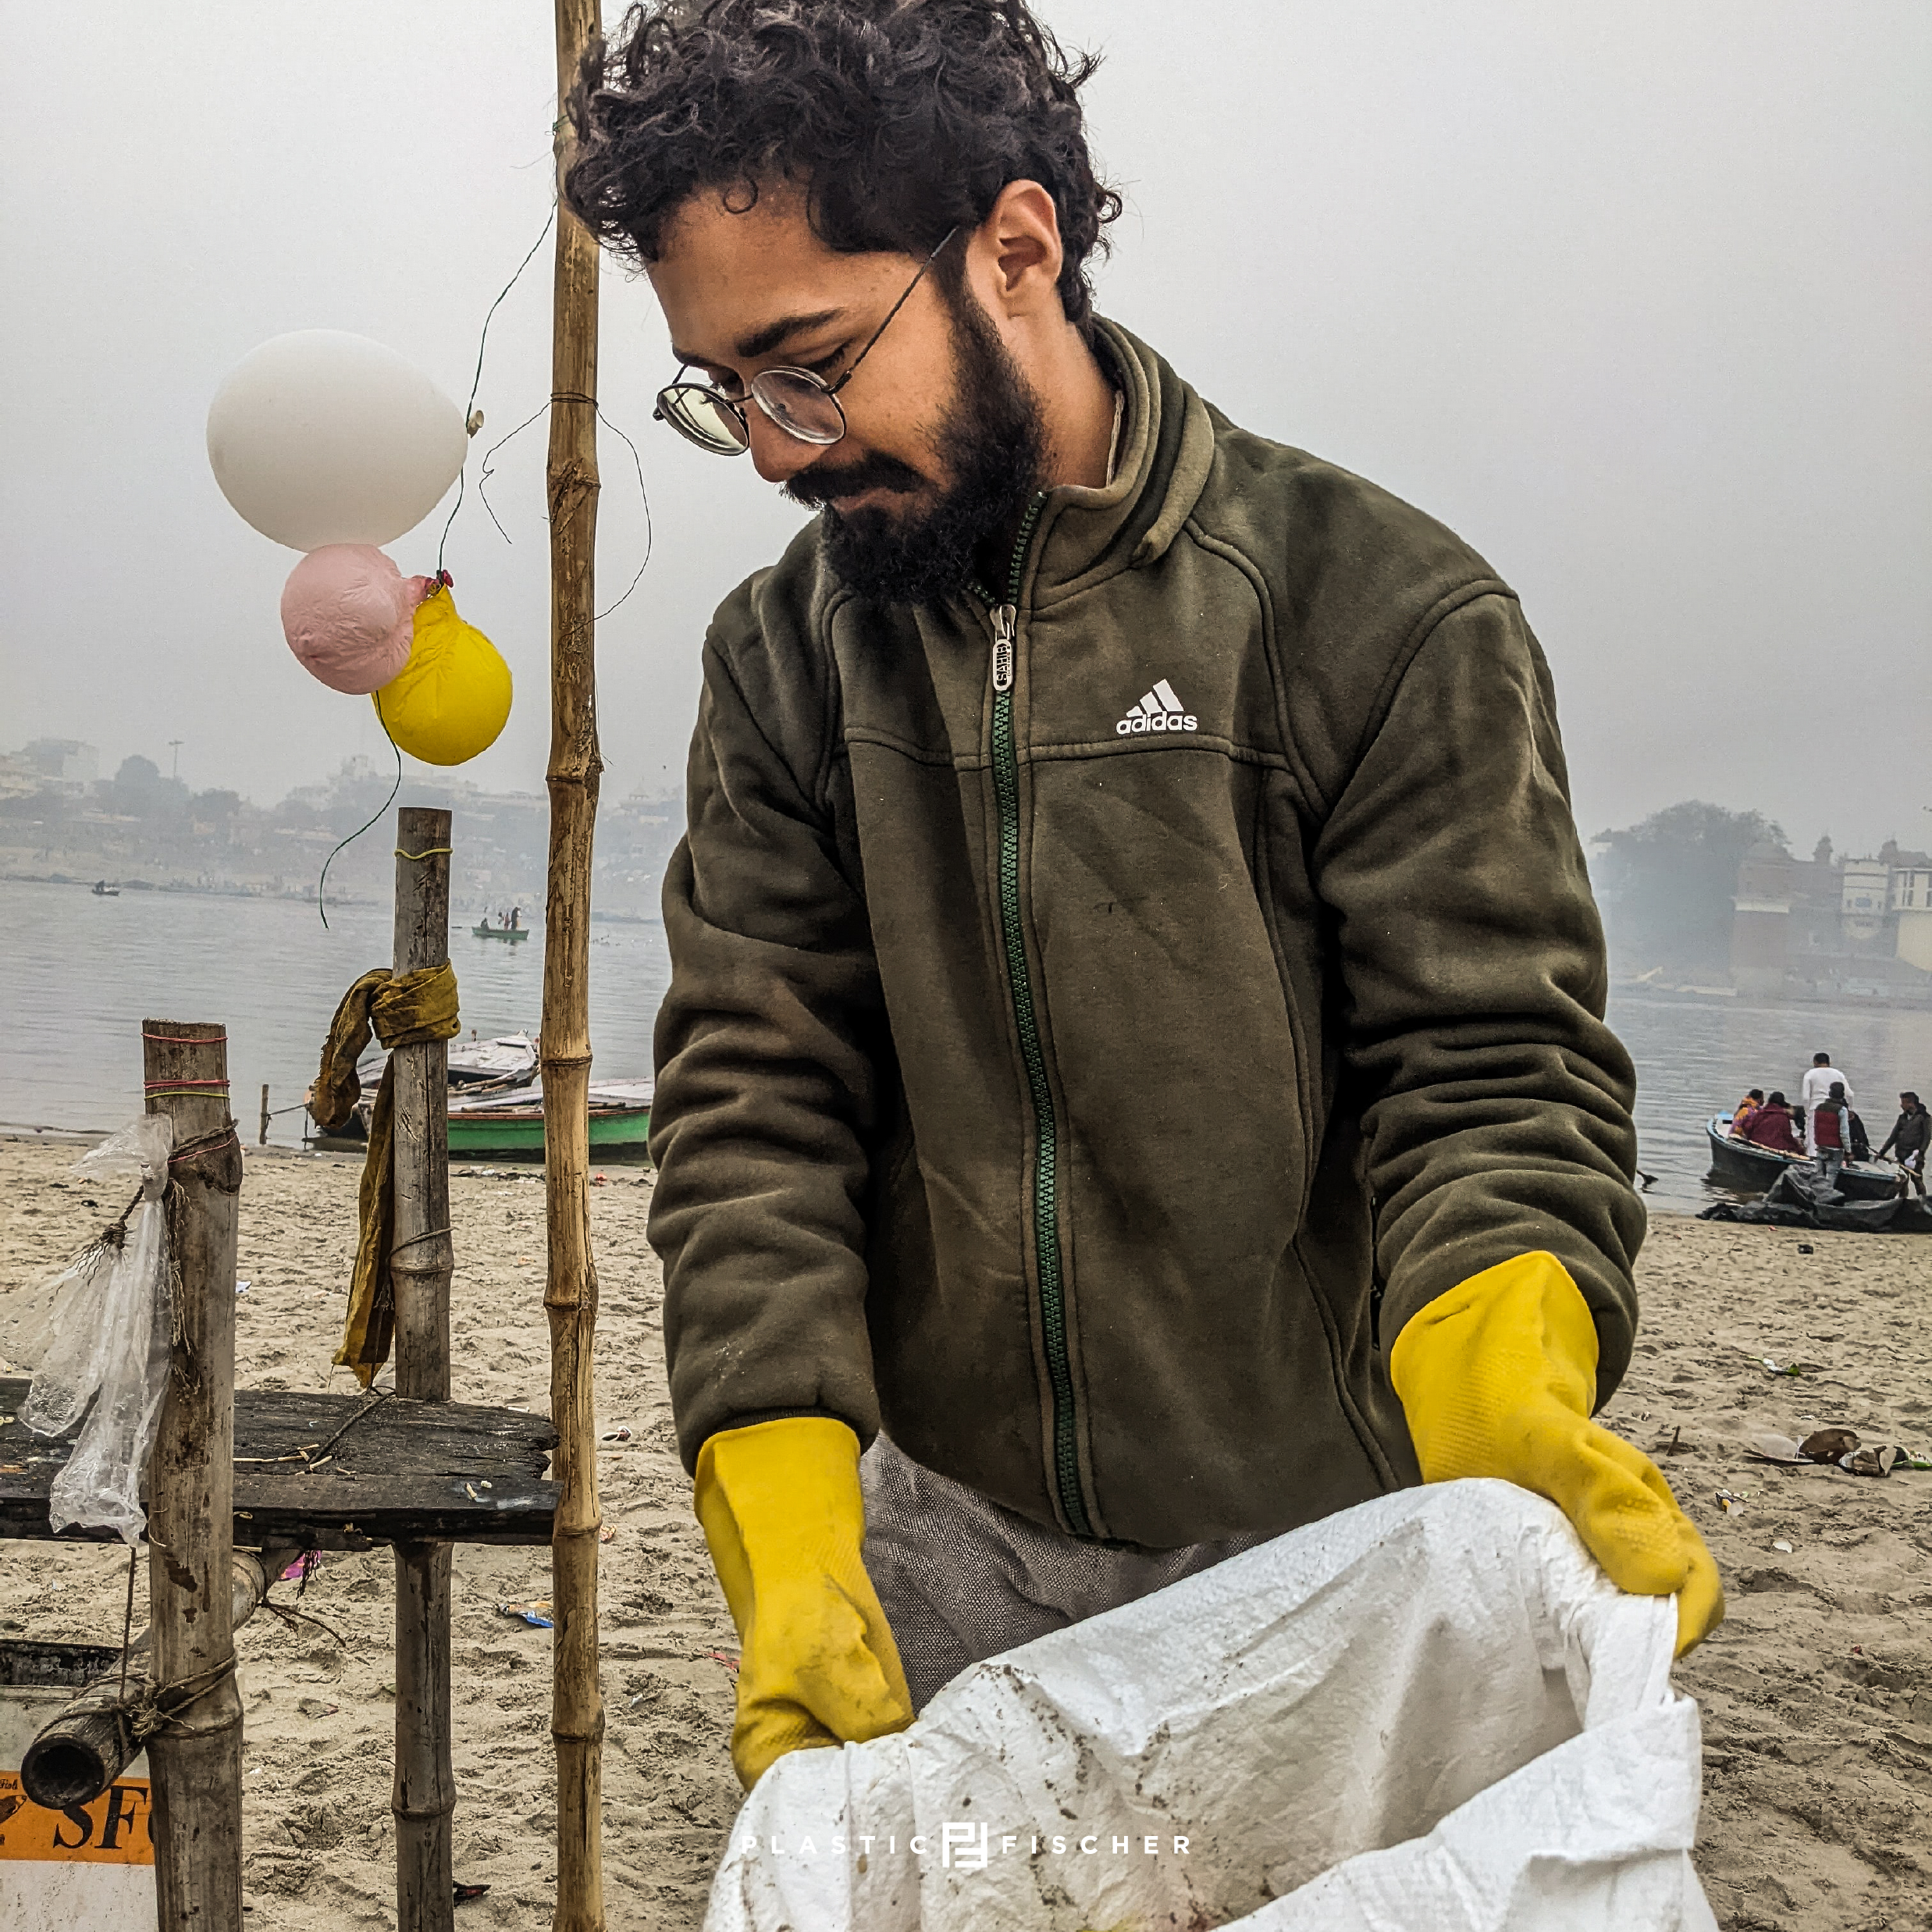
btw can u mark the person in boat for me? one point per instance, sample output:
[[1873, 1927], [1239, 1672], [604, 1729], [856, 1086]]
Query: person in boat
[[1770, 1126], [1741, 1116], [1087, 746], [1910, 1138], [1815, 1088], [516, 919], [1831, 1132]]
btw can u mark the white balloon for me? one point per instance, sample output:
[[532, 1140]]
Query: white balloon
[[322, 437]]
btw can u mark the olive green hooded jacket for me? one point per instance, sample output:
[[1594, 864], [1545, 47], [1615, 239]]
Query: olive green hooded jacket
[[1087, 1010]]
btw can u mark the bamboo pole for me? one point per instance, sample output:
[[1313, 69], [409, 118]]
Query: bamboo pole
[[420, 1264], [569, 1295], [80, 1750], [195, 1759]]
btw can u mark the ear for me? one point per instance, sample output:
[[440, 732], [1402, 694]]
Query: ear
[[1015, 256]]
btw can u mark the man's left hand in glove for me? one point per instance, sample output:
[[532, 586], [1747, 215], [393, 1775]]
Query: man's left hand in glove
[[1498, 1377]]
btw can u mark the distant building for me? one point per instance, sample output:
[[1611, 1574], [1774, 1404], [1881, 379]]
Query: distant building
[[1830, 926], [1760, 923], [1912, 907], [71, 765]]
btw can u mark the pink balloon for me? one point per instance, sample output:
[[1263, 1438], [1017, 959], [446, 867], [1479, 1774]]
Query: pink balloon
[[348, 614]]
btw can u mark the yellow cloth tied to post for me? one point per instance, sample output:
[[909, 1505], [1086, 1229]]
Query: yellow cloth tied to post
[[404, 1012]]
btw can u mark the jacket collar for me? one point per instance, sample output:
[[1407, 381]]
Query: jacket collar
[[1166, 449]]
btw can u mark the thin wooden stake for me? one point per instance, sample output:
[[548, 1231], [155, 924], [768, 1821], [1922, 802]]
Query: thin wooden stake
[[422, 1262], [195, 1759], [571, 1294]]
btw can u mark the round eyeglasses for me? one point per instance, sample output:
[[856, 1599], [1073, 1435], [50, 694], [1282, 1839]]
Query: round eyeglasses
[[802, 404]]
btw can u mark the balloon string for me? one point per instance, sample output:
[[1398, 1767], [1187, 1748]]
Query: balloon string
[[476, 381], [650, 535], [320, 904], [484, 473]]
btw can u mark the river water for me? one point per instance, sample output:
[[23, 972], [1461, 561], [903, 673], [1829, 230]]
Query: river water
[[82, 973]]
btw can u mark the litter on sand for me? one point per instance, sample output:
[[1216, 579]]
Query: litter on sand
[[1732, 1501], [1778, 1542], [465, 1893], [1839, 1448], [1771, 1367], [536, 1615]]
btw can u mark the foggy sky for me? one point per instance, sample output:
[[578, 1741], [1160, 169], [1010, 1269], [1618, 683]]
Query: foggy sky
[[1633, 296]]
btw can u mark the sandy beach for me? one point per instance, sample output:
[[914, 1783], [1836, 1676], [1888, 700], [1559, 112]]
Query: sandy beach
[[1817, 1693]]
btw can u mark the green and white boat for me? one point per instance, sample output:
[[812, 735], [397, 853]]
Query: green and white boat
[[510, 1126], [501, 1117]]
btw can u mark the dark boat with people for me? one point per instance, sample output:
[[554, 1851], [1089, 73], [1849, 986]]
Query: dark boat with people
[[1743, 1164]]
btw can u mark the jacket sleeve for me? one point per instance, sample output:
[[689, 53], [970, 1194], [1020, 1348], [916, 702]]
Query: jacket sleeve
[[766, 1077], [1496, 1103]]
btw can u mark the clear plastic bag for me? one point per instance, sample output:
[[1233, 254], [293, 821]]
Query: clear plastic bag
[[102, 1340]]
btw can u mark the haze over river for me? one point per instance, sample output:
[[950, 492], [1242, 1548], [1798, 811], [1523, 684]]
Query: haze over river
[[83, 973]]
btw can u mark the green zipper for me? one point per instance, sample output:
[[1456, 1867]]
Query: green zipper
[[1046, 1176]]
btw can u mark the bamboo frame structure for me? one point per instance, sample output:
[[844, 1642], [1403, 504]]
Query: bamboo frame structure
[[79, 1752], [570, 1298], [196, 1757], [421, 1261]]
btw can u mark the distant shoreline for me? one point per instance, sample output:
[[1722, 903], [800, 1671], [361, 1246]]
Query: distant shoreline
[[178, 888], [1714, 998]]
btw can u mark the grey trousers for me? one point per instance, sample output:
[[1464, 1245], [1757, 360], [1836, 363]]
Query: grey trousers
[[962, 1578]]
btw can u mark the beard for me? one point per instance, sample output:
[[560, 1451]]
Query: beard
[[990, 442]]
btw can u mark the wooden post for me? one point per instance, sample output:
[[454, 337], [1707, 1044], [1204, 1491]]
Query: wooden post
[[570, 1295], [264, 1140], [196, 1757], [420, 1264]]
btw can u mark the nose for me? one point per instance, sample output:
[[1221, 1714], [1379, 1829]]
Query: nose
[[777, 456]]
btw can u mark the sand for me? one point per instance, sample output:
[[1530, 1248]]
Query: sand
[[320, 1718], [1817, 1693]]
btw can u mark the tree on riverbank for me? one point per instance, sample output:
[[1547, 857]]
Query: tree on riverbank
[[1665, 885]]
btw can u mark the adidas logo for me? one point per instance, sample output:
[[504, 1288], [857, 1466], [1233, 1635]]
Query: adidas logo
[[1160, 710]]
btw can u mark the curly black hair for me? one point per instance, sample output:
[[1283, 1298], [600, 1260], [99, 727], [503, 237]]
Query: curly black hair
[[899, 119]]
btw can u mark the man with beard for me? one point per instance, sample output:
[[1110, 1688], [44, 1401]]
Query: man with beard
[[1134, 1064]]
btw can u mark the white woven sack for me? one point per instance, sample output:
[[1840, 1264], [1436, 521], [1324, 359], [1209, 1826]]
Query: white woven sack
[[1432, 1713]]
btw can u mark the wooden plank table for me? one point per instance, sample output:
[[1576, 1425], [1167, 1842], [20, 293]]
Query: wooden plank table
[[337, 1471]]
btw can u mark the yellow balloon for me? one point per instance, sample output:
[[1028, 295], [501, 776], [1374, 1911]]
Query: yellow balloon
[[452, 698]]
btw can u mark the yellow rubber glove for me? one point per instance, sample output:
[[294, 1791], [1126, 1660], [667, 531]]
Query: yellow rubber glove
[[1498, 1377], [781, 1510]]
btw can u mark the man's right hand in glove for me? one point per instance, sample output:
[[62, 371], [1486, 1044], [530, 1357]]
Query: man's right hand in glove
[[781, 1510]]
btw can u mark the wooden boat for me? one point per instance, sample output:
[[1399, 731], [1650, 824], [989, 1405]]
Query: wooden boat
[[506, 1123], [510, 1059], [617, 1134], [1743, 1164], [512, 933]]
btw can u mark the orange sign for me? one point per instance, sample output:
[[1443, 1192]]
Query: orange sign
[[111, 1830]]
